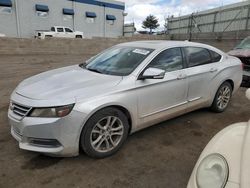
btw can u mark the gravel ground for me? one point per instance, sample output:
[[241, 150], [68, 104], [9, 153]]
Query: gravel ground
[[160, 156]]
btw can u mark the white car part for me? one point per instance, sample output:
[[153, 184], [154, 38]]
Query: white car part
[[212, 172]]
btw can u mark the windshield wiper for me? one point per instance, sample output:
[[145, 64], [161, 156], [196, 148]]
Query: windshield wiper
[[83, 65], [94, 70]]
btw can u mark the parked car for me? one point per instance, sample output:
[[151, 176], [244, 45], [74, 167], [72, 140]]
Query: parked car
[[242, 51], [95, 105], [59, 32], [224, 163]]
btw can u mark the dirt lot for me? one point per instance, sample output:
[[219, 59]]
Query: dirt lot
[[160, 156]]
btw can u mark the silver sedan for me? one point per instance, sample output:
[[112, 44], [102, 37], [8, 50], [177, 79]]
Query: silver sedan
[[94, 106]]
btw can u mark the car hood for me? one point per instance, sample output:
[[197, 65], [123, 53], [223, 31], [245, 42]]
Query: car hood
[[65, 83], [240, 52]]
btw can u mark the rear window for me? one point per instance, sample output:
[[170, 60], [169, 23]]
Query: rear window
[[215, 56], [197, 56]]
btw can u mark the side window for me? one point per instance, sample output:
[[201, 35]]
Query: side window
[[68, 30], [53, 29], [168, 60], [215, 56], [60, 29], [197, 56]]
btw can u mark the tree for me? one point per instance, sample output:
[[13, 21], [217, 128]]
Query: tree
[[151, 22]]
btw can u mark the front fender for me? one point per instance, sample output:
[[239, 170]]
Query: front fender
[[91, 106]]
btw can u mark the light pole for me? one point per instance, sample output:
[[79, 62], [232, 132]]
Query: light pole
[[17, 19]]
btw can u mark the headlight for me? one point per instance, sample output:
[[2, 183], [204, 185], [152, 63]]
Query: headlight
[[212, 172], [60, 111]]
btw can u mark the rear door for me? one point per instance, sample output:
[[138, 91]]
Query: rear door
[[202, 68]]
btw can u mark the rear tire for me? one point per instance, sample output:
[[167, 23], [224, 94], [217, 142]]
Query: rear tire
[[222, 98], [78, 36], [104, 133]]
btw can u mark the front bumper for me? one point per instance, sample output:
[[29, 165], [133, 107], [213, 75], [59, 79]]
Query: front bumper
[[51, 136]]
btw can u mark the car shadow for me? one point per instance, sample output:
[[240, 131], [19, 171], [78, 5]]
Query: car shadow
[[40, 162]]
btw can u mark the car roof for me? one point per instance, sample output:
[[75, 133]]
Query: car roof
[[161, 44]]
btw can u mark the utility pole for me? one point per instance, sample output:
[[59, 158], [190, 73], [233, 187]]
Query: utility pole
[[104, 21], [17, 19]]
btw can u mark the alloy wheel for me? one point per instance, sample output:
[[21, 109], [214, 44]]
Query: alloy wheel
[[223, 97], [107, 134]]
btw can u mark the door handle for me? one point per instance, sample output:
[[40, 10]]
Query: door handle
[[213, 69], [181, 76]]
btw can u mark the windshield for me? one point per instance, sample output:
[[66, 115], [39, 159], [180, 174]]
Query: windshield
[[244, 44], [119, 61]]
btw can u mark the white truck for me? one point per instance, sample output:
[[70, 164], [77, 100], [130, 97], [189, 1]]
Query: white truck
[[59, 32]]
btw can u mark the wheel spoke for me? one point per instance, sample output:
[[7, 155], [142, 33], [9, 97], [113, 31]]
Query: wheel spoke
[[117, 128], [97, 140], [100, 143], [116, 133], [111, 141], [97, 131], [107, 143], [99, 126], [113, 121], [108, 121]]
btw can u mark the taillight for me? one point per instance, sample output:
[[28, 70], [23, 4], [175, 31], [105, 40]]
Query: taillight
[[242, 66]]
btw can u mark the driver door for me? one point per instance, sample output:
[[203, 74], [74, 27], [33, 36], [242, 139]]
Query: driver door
[[160, 98]]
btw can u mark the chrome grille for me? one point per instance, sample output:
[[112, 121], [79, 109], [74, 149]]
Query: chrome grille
[[20, 110]]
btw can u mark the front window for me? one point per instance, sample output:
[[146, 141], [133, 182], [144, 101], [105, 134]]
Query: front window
[[119, 61], [168, 60], [68, 30]]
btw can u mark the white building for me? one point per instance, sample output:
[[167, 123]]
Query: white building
[[102, 18]]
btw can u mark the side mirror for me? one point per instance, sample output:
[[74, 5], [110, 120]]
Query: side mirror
[[248, 93], [152, 73]]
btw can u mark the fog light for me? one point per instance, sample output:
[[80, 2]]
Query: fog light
[[41, 142]]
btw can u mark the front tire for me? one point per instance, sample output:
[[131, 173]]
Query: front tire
[[222, 98], [78, 36], [104, 133]]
